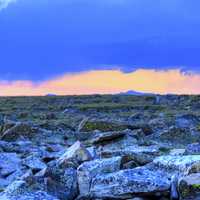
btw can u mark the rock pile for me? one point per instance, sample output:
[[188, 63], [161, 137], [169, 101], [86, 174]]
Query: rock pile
[[136, 160]]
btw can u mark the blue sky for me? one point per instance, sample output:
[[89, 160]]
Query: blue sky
[[40, 39]]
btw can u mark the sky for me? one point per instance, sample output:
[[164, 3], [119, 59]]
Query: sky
[[101, 46]]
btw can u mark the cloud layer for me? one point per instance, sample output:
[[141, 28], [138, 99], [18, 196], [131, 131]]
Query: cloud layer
[[108, 81], [5, 3]]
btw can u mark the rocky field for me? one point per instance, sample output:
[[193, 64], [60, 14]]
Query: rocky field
[[100, 147]]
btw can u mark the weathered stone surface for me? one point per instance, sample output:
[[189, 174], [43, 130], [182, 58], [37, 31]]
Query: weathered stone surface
[[184, 164], [127, 183], [88, 170], [18, 191], [75, 155], [189, 187], [61, 183]]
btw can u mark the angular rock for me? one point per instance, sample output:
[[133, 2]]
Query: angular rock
[[9, 163], [119, 143], [18, 191], [61, 183], [177, 152], [140, 154], [193, 149], [107, 136], [126, 184], [74, 155], [185, 121], [34, 163], [189, 187], [88, 170], [184, 164], [174, 188], [93, 152], [178, 136]]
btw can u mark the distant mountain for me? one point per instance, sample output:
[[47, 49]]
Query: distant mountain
[[51, 95], [136, 93]]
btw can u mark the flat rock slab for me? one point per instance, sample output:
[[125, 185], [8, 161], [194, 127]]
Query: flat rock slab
[[140, 154], [185, 164], [127, 183], [107, 136]]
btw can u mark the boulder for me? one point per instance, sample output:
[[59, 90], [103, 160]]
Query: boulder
[[127, 184], [88, 170], [189, 187], [183, 164], [75, 155]]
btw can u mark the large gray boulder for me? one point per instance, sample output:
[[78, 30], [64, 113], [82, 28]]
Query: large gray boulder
[[183, 164], [75, 155], [126, 184], [88, 170], [189, 187]]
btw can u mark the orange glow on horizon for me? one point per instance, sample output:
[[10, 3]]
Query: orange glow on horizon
[[108, 82]]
